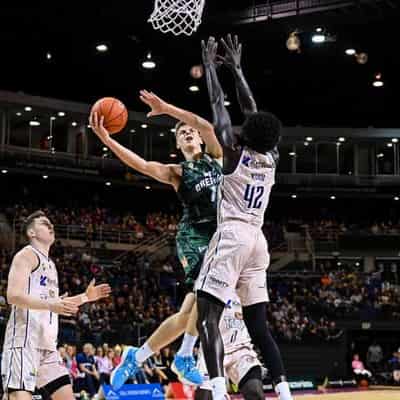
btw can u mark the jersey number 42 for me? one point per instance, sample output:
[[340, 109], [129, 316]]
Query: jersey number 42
[[253, 196]]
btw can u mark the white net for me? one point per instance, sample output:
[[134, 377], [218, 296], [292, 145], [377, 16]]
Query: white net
[[177, 16]]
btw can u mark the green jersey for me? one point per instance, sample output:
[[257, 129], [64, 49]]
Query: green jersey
[[198, 193]]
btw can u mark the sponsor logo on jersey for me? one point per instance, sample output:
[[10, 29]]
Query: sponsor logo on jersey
[[214, 281], [43, 280], [250, 163]]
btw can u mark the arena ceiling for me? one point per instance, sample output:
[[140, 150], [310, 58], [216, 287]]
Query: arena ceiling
[[318, 86]]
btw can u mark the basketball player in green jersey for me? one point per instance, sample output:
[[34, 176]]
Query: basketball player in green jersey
[[195, 180]]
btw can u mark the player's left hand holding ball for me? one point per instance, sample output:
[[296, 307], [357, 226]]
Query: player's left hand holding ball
[[97, 124]]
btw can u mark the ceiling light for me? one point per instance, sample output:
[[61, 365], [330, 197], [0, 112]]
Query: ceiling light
[[108, 183], [306, 143], [132, 131], [144, 126], [380, 155], [28, 108], [377, 84], [52, 118], [173, 155], [61, 114], [395, 140], [309, 139], [389, 144], [161, 134], [147, 187], [4, 171], [53, 150], [48, 56], [319, 30], [34, 123], [338, 263], [105, 148], [45, 176], [18, 114], [74, 123], [338, 144], [102, 48], [294, 196], [341, 139], [333, 197], [49, 137], [88, 126], [292, 153], [396, 198], [148, 63], [227, 103], [194, 88], [173, 130], [357, 264], [318, 38], [350, 52]]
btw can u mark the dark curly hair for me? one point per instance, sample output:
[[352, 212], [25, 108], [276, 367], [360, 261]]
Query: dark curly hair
[[261, 131]]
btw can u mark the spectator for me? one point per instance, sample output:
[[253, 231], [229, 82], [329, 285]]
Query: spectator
[[104, 365], [358, 368], [374, 356], [394, 363], [87, 366]]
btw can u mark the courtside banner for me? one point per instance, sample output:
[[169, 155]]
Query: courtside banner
[[134, 392]]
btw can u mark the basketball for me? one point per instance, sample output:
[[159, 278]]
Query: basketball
[[114, 112]]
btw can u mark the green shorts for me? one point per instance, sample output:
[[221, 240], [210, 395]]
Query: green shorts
[[191, 245]]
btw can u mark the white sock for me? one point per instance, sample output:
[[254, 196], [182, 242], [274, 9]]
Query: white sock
[[218, 385], [187, 345], [144, 353], [283, 391]]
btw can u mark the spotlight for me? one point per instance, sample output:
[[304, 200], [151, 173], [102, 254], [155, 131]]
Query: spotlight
[[61, 114], [306, 143], [53, 118], [173, 155], [28, 108], [396, 198], [53, 150], [377, 84], [108, 183], [350, 52], [48, 56], [309, 139], [173, 130], [144, 126], [380, 155], [227, 103], [45, 176], [74, 123], [148, 63], [18, 114], [318, 37], [147, 187], [389, 144], [132, 131], [357, 264], [395, 140], [292, 153], [333, 197], [161, 134], [105, 148], [34, 123], [4, 171], [194, 88], [294, 196], [341, 139], [102, 48]]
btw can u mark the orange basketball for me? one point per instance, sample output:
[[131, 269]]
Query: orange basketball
[[114, 112]]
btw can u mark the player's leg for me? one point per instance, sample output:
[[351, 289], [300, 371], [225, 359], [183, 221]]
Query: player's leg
[[53, 380], [252, 290], [19, 395], [251, 386]]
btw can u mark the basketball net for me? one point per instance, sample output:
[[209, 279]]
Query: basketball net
[[177, 16]]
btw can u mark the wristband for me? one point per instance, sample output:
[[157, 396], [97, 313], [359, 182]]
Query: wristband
[[84, 298]]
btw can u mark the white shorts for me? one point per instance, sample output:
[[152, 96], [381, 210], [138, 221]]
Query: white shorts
[[23, 368], [236, 365], [237, 259]]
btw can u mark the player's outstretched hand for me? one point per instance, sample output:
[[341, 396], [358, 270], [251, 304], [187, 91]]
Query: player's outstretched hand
[[98, 292], [209, 52], [63, 306], [233, 52], [158, 106], [97, 124]]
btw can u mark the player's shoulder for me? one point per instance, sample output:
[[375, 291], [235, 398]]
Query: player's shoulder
[[27, 256]]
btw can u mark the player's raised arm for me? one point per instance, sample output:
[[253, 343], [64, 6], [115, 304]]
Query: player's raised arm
[[232, 59], [22, 265], [159, 106], [221, 118], [165, 173]]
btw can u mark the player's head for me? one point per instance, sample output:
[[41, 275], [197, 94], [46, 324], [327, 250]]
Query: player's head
[[261, 131], [38, 227], [188, 139]]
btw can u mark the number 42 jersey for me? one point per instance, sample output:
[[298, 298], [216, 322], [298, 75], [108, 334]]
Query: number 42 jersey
[[244, 194]]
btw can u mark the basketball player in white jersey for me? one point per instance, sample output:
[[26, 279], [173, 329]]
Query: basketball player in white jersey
[[30, 359], [237, 257], [241, 363]]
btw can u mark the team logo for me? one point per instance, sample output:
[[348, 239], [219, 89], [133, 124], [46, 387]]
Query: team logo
[[43, 280]]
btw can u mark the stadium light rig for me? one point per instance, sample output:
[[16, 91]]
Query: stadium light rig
[[148, 63]]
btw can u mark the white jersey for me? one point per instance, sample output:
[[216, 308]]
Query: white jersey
[[244, 194], [232, 327], [35, 328]]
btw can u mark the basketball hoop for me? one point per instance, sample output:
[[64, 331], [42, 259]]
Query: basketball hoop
[[177, 16]]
